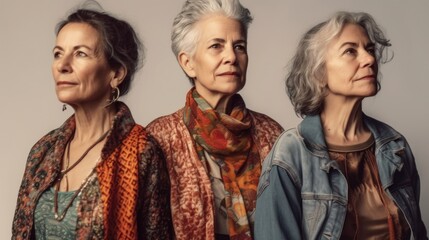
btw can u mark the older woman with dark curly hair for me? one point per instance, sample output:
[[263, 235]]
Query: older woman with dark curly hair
[[99, 175], [340, 174], [214, 146]]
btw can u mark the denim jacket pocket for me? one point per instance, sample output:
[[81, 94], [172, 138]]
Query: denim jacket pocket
[[317, 211], [314, 215]]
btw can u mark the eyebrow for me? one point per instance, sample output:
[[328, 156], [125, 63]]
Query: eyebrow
[[221, 40], [353, 44], [241, 41], [74, 48]]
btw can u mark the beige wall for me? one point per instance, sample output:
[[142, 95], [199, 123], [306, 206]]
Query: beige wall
[[30, 108]]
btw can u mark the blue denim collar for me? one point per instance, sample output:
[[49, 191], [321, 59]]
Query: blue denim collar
[[312, 132]]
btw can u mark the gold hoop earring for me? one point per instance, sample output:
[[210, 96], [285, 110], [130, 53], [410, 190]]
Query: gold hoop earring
[[115, 96]]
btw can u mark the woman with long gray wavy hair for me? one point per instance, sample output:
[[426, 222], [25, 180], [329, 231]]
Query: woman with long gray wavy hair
[[214, 145], [340, 174]]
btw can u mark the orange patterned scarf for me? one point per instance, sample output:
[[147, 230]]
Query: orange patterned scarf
[[227, 138]]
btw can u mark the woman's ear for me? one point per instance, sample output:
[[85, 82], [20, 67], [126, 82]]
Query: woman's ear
[[187, 64], [118, 76]]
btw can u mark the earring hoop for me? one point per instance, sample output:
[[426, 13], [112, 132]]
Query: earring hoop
[[115, 96]]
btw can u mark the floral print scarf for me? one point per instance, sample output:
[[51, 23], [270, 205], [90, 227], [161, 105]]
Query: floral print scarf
[[227, 139]]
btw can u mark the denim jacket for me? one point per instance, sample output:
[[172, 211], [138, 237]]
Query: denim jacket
[[302, 193]]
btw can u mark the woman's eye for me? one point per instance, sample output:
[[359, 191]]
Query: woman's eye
[[371, 51], [215, 46], [241, 48], [350, 51], [81, 54], [57, 54]]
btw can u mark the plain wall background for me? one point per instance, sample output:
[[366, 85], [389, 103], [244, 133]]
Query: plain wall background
[[30, 108]]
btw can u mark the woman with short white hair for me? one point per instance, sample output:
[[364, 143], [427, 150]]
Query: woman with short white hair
[[214, 146]]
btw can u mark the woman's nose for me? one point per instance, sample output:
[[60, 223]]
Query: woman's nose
[[230, 56], [63, 64], [368, 59]]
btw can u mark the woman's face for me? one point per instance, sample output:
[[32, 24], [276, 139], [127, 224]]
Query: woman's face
[[220, 61], [81, 72], [351, 67]]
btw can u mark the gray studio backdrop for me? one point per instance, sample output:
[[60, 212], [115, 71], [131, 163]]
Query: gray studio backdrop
[[29, 107]]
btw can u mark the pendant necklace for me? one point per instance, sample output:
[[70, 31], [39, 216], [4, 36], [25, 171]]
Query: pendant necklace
[[63, 173]]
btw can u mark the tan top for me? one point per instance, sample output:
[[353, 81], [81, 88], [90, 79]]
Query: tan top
[[371, 214]]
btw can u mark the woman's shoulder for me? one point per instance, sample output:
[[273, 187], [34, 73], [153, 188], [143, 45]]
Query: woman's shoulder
[[166, 121], [140, 141], [289, 147], [168, 128], [140, 134], [48, 139], [263, 118], [58, 133], [288, 153], [289, 140], [380, 129], [264, 123]]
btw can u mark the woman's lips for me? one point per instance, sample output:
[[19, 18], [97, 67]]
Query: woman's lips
[[65, 83]]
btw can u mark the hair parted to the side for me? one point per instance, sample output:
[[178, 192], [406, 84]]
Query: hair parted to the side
[[120, 44], [305, 82], [184, 36]]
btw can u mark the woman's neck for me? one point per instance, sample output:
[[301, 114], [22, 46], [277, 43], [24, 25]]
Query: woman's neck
[[216, 100], [91, 123], [342, 122]]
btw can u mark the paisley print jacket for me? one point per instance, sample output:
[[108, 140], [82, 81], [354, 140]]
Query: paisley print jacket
[[128, 198], [192, 201]]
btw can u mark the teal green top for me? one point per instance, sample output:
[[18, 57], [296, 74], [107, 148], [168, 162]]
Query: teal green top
[[45, 224]]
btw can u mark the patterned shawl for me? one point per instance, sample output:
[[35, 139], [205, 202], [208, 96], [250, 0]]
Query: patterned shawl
[[227, 139]]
